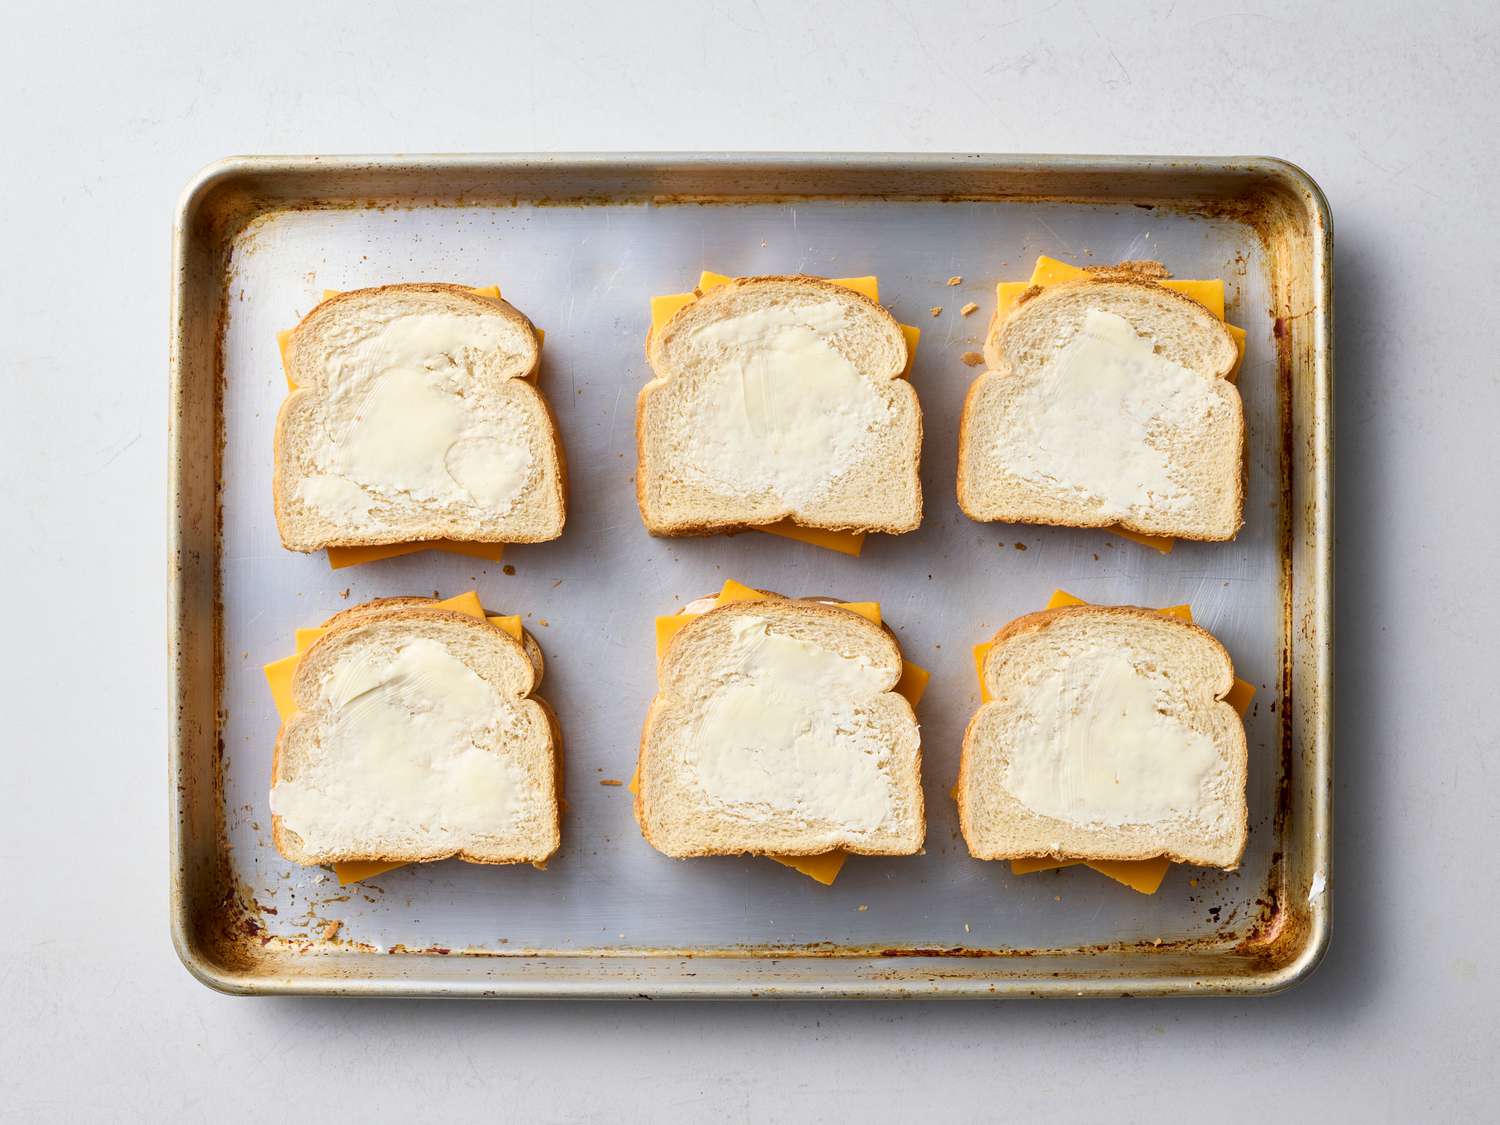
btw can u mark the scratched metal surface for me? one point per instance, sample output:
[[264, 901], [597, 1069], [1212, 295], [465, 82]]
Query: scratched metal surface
[[585, 274]]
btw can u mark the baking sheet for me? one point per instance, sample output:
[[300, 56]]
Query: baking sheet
[[585, 272]]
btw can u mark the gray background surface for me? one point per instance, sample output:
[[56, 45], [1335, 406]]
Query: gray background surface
[[106, 112]]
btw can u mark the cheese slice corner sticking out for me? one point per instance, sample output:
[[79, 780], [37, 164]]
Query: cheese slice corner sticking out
[[340, 557], [912, 685], [844, 542], [823, 868], [1143, 875], [1156, 542], [358, 870]]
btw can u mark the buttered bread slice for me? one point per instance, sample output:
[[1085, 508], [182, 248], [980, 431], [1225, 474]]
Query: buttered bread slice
[[778, 398], [1107, 402], [415, 737], [1106, 737], [413, 419], [777, 730]]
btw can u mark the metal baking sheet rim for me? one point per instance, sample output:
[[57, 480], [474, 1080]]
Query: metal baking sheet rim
[[224, 197]]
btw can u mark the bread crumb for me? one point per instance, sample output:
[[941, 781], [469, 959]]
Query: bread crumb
[[1020, 546], [862, 909], [542, 621], [1192, 882], [966, 928], [973, 359], [937, 310], [345, 594], [507, 569], [612, 782], [331, 930], [968, 310], [955, 280]]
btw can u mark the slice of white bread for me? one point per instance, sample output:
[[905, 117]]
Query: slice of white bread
[[1106, 402], [777, 730], [776, 398], [1106, 737], [416, 737], [413, 419]]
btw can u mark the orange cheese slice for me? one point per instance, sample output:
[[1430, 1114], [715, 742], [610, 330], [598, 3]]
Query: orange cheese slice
[[664, 306], [358, 870], [844, 542], [823, 868], [912, 685], [733, 591], [340, 557], [1209, 293], [279, 676], [1155, 542], [1143, 875]]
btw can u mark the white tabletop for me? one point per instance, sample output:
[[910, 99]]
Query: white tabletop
[[108, 109]]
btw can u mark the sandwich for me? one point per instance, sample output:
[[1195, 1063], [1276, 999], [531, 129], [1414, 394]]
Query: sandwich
[[782, 727], [778, 404], [414, 421], [410, 733], [1108, 400], [1110, 736]]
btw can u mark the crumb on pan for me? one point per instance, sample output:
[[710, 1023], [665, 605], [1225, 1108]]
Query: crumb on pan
[[955, 280], [968, 310], [973, 359], [937, 310]]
